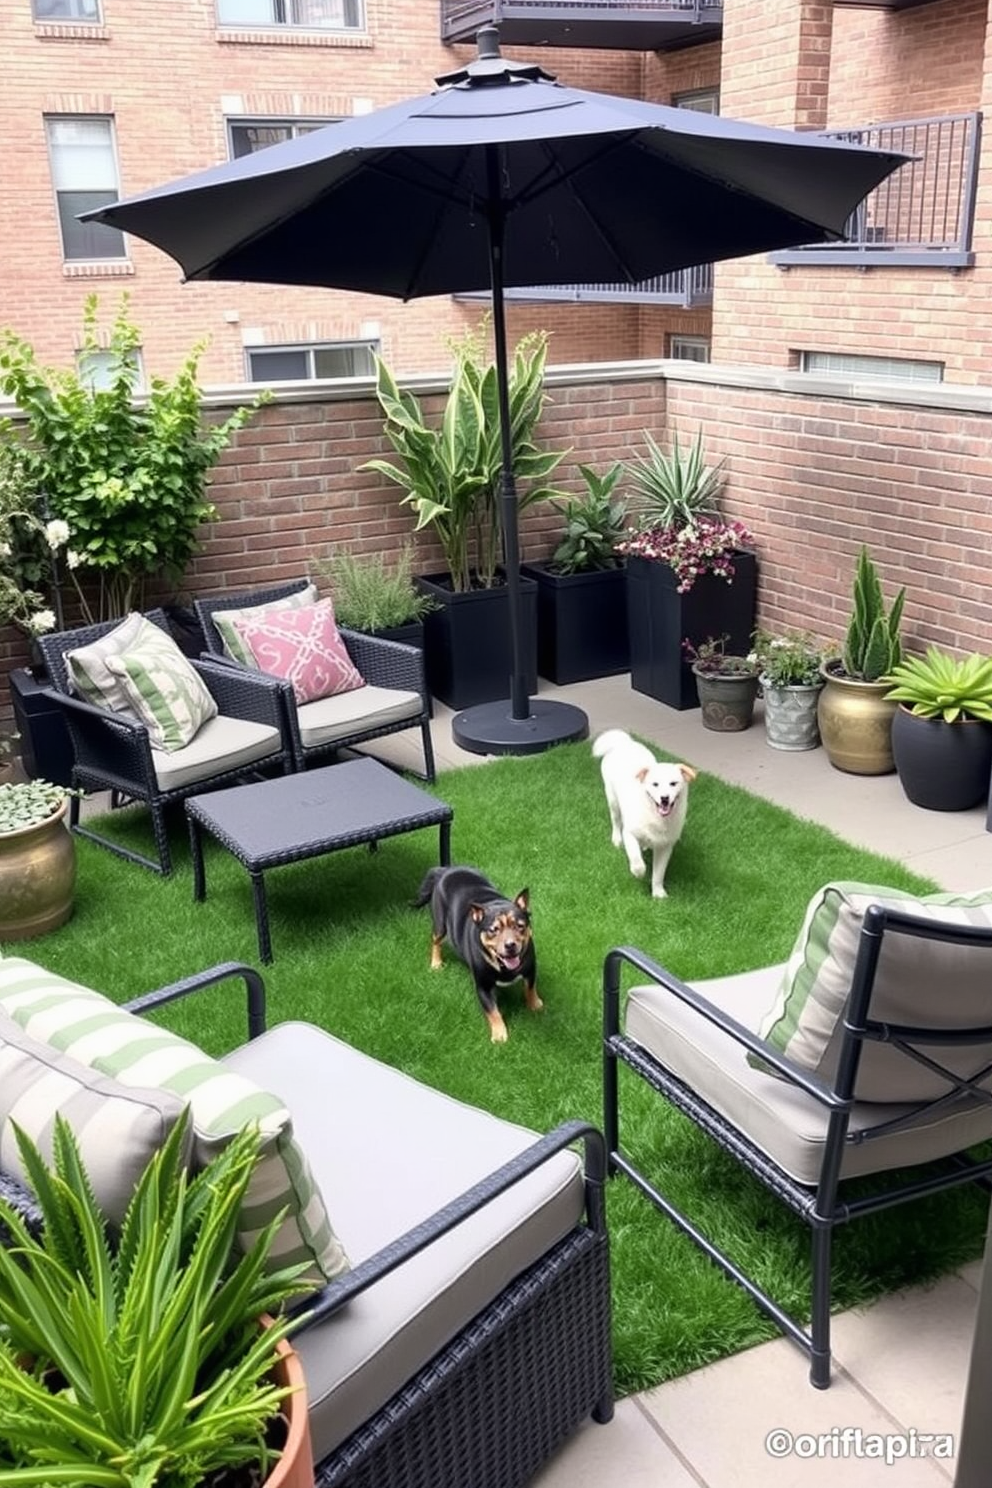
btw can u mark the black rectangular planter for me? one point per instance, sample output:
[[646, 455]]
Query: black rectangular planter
[[44, 745], [467, 651], [661, 619], [581, 623]]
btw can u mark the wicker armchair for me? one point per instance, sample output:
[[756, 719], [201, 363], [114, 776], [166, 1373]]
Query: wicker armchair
[[395, 698], [112, 751], [903, 1089]]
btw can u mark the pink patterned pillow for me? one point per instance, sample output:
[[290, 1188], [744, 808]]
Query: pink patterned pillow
[[302, 646]]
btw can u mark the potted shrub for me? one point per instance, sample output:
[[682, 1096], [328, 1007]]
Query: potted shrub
[[791, 680], [450, 477], [582, 587], [690, 572], [942, 728], [855, 713], [727, 684], [136, 1357], [37, 859], [377, 596]]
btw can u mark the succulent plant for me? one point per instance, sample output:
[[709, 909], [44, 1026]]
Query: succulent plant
[[872, 648], [25, 803], [939, 685]]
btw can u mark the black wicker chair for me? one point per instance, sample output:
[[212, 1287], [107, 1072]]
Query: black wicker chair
[[512, 1384], [112, 751], [801, 1135], [387, 666]]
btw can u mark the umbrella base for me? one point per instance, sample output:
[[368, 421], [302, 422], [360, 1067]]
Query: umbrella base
[[491, 728]]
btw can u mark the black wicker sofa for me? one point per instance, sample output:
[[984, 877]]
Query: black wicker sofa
[[472, 1334]]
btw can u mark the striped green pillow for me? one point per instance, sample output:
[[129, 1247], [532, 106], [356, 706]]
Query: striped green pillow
[[234, 642], [137, 1054], [88, 669], [916, 982], [161, 687], [118, 1128]]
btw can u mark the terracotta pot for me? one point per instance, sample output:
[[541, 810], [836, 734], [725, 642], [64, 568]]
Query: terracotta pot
[[856, 724], [295, 1467], [37, 877]]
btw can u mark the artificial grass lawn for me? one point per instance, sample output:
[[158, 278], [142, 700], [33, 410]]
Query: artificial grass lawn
[[351, 955]]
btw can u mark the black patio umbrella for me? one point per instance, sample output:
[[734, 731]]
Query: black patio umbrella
[[502, 177]]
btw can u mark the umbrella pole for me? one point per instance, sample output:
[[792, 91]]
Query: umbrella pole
[[521, 725]]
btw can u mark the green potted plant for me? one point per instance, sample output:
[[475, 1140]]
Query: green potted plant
[[855, 714], [691, 573], [791, 680], [377, 595], [449, 473], [727, 684], [942, 728], [37, 859], [582, 587], [136, 1358]]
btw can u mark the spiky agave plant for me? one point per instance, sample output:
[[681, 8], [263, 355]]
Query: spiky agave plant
[[872, 646], [136, 1360]]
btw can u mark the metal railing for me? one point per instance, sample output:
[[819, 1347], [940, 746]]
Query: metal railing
[[462, 17], [685, 288], [922, 215]]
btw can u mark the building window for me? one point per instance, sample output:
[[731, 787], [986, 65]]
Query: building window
[[302, 363], [876, 368], [67, 10], [689, 348], [97, 368], [701, 100], [84, 174], [310, 15], [246, 136]]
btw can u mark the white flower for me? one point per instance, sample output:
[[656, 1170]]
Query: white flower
[[72, 558], [56, 533], [5, 550], [41, 621]]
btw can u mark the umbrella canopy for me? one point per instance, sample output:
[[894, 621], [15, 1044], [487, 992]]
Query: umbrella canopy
[[503, 177]]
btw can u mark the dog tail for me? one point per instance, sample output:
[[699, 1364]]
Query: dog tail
[[426, 889], [603, 743]]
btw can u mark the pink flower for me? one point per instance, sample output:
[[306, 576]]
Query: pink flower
[[706, 546]]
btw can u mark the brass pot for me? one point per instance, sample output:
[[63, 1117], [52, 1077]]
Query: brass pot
[[37, 877], [856, 724]]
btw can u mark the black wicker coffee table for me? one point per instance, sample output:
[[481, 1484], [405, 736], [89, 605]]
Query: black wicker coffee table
[[273, 822]]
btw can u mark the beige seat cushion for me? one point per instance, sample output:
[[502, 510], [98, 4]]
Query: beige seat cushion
[[784, 1122], [388, 1152], [221, 744], [347, 713]]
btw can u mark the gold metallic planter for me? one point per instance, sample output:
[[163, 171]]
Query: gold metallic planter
[[37, 878], [856, 724]]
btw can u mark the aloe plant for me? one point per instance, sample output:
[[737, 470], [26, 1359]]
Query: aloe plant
[[872, 647], [136, 1360], [939, 685]]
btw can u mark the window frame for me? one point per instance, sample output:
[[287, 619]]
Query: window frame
[[309, 348], [297, 126], [282, 21], [677, 340], [868, 368], [68, 20], [50, 120]]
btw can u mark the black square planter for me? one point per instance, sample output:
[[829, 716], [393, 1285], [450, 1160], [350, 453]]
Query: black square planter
[[467, 652], [44, 746], [581, 623], [660, 619]]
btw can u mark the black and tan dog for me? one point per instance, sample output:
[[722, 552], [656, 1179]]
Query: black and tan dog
[[492, 935]]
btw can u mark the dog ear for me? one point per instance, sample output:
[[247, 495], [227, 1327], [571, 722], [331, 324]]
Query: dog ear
[[688, 773], [522, 900], [477, 912], [641, 775]]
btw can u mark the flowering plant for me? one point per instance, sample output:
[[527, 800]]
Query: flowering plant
[[29, 549], [789, 660], [710, 659], [705, 545]]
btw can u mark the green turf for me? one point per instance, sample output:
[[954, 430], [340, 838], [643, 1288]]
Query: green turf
[[352, 955]]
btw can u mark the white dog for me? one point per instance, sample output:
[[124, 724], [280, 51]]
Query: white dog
[[648, 801]]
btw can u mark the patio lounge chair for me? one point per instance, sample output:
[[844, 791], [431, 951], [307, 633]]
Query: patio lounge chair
[[472, 1334], [869, 1052], [395, 696], [113, 750]]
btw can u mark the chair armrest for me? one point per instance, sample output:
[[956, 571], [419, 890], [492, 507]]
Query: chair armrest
[[224, 971], [386, 663], [116, 747], [242, 692], [334, 1296], [23, 1203], [787, 1068]]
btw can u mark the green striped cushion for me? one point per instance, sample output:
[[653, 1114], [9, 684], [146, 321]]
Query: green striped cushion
[[916, 982], [136, 1053], [234, 642], [161, 687], [118, 1128], [88, 665]]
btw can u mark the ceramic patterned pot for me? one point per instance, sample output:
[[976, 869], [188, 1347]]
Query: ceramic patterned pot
[[790, 715], [856, 724], [37, 877], [727, 703]]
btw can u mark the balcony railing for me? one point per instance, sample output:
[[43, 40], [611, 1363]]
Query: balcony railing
[[686, 288], [922, 215], [624, 25]]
